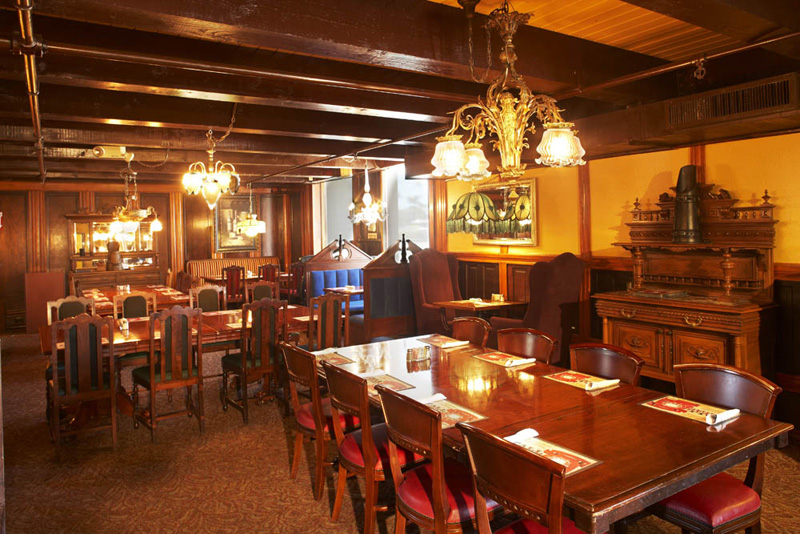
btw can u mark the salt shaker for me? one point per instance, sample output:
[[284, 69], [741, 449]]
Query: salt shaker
[[124, 326]]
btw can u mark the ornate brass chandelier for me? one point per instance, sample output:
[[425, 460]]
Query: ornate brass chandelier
[[371, 210], [127, 218], [507, 112], [250, 225], [215, 179]]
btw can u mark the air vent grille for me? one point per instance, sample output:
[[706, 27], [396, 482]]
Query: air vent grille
[[770, 96]]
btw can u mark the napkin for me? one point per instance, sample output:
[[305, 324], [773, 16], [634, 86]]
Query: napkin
[[716, 418], [436, 397], [602, 384], [523, 435], [512, 362]]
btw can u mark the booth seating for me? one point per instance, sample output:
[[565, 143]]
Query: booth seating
[[319, 280], [212, 268]]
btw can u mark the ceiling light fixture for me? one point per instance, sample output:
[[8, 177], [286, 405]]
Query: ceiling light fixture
[[215, 179], [251, 226], [127, 218], [507, 111], [371, 211]]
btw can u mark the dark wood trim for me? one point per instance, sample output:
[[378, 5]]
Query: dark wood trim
[[115, 186], [177, 238], [437, 214], [307, 203], [584, 212], [787, 271], [36, 230], [85, 201], [788, 382]]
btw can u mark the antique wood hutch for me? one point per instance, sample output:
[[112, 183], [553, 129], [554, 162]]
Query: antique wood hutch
[[704, 302]]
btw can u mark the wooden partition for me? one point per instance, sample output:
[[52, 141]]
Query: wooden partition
[[340, 254], [388, 297]]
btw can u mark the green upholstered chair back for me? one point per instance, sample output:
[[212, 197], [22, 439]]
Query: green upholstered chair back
[[262, 290], [173, 335], [267, 321], [134, 304], [58, 310], [208, 298], [78, 354]]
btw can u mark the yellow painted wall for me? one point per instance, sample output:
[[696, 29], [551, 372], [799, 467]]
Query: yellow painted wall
[[615, 183], [746, 168], [557, 204]]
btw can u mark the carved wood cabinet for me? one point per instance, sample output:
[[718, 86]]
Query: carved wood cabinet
[[706, 302]]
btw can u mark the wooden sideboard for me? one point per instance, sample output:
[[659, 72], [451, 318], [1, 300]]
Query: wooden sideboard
[[702, 302]]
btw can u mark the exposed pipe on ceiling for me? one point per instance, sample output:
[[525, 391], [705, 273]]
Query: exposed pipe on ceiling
[[29, 48]]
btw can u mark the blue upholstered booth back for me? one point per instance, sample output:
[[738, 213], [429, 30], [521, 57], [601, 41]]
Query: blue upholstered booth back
[[338, 278]]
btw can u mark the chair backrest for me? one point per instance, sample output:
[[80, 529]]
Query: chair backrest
[[498, 466], [418, 428], [296, 272], [261, 290], [268, 272], [729, 387], [71, 306], [606, 361], [526, 342], [472, 329], [267, 320], [233, 280], [173, 336], [349, 394], [301, 370], [332, 327], [134, 304], [208, 298], [86, 340], [560, 301], [434, 278], [538, 281]]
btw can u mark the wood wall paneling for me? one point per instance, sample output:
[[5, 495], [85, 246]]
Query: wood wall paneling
[[161, 203], [199, 228], [302, 216], [601, 281], [273, 213], [13, 259], [518, 286], [104, 201], [478, 279], [177, 237], [58, 205], [36, 232]]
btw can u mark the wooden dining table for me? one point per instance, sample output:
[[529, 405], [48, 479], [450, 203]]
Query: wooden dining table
[[166, 297], [642, 455], [480, 307]]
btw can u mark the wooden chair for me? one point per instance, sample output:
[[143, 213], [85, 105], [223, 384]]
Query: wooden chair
[[261, 290], [498, 466], [208, 298], [527, 342], [233, 280], [258, 355], [82, 373], [175, 361], [438, 495], [332, 326], [268, 272], [364, 452], [184, 281], [722, 503], [314, 419], [169, 280], [134, 304], [71, 306], [294, 286], [606, 361], [472, 329]]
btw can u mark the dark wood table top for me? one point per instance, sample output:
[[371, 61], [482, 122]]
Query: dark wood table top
[[166, 297], [478, 305], [645, 455], [345, 290]]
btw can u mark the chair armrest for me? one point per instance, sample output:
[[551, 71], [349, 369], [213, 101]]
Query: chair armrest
[[499, 323], [448, 326], [293, 338]]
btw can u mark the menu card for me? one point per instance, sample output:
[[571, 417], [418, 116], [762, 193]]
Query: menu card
[[506, 360], [582, 380], [574, 462], [444, 342], [332, 357], [452, 413], [387, 381], [711, 415]]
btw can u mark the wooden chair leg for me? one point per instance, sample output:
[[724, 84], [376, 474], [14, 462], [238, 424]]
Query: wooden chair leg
[[399, 523], [55, 425], [114, 420], [341, 483], [136, 410], [243, 394], [153, 414], [319, 477], [224, 391], [298, 448], [201, 415], [755, 529], [369, 506]]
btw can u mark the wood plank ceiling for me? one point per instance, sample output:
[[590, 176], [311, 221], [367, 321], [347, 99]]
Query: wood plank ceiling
[[314, 79]]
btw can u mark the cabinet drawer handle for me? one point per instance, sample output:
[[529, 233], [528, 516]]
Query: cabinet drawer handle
[[628, 314], [700, 353], [636, 342], [696, 321]]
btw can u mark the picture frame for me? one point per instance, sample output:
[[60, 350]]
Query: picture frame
[[230, 210], [504, 195]]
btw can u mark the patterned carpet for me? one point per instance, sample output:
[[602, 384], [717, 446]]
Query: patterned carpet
[[234, 478]]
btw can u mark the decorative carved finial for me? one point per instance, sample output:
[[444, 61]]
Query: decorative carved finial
[[766, 197], [636, 204]]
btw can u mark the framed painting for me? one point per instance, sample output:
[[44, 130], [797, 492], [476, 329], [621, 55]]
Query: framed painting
[[516, 206], [229, 212]]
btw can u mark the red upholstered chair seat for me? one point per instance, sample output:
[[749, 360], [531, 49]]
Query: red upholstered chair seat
[[416, 491], [524, 526], [306, 419], [715, 501], [350, 449]]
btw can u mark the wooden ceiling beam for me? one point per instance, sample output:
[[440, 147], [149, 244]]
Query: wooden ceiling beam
[[415, 35]]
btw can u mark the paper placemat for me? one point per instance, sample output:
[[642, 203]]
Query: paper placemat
[[333, 358], [582, 380], [388, 381], [444, 342], [574, 462], [452, 413], [710, 415], [504, 360]]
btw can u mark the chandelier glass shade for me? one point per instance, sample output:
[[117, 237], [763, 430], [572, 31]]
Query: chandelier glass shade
[[476, 213], [211, 180], [250, 225], [507, 112], [369, 211], [127, 219]]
